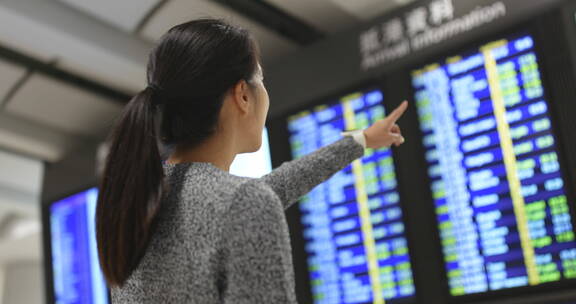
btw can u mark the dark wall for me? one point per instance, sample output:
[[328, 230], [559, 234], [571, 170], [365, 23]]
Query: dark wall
[[74, 173]]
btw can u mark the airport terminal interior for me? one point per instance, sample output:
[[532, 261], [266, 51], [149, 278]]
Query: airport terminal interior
[[477, 206]]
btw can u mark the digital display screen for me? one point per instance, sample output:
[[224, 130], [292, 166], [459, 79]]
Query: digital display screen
[[500, 197], [355, 238], [77, 275]]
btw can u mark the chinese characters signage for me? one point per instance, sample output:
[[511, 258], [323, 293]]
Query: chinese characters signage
[[419, 28]]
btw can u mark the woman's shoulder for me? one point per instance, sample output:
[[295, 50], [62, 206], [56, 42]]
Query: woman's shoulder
[[254, 196], [254, 189]]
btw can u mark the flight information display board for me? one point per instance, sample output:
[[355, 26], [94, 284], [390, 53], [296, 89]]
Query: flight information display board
[[77, 276], [503, 214], [357, 249]]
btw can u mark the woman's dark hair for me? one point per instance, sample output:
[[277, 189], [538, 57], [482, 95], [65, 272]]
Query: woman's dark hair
[[190, 70]]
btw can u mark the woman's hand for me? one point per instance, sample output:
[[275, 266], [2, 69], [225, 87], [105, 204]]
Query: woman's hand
[[386, 132]]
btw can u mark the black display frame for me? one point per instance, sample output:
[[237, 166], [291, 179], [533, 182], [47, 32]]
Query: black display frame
[[536, 28], [398, 82], [50, 295]]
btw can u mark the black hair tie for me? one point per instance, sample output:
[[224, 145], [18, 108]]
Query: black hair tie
[[158, 94]]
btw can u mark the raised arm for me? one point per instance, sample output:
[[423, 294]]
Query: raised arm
[[295, 178]]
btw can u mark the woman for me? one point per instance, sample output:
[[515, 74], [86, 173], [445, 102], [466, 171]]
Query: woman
[[186, 231]]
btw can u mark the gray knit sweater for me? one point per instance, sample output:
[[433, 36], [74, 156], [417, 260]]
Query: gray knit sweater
[[224, 239]]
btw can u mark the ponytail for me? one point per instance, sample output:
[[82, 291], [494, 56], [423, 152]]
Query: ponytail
[[131, 190], [208, 54]]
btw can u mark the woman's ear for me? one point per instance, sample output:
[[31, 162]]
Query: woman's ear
[[241, 96]]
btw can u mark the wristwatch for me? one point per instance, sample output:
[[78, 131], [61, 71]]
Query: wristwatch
[[358, 136]]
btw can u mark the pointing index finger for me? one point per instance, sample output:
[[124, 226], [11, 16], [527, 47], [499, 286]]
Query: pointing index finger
[[397, 113]]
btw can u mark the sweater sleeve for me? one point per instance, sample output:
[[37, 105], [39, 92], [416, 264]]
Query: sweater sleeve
[[258, 264], [295, 178]]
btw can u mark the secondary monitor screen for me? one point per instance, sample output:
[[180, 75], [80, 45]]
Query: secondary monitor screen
[[499, 194], [355, 240], [76, 270]]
